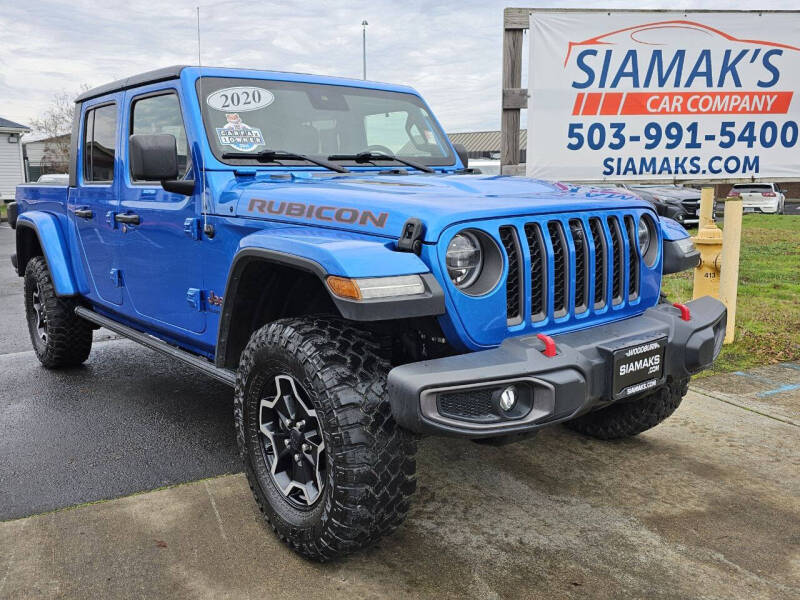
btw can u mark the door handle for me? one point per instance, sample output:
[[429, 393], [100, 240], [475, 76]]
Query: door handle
[[128, 219], [84, 213]]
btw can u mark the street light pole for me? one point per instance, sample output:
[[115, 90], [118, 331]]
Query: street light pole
[[364, 46]]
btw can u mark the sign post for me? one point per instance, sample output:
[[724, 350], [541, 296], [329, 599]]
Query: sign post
[[729, 278]]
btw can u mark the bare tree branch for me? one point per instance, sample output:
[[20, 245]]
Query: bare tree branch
[[55, 124]]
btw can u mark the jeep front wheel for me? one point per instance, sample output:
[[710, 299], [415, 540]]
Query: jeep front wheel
[[60, 338], [329, 468]]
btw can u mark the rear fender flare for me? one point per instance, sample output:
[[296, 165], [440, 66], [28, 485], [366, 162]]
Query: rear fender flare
[[54, 248]]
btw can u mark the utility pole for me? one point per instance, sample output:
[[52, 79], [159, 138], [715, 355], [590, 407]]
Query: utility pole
[[364, 46]]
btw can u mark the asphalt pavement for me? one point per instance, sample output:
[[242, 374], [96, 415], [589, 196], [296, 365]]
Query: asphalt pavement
[[126, 421], [706, 505]]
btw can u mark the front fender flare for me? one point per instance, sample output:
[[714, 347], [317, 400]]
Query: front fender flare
[[334, 253], [54, 248]]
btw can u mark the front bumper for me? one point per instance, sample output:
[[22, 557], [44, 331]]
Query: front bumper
[[449, 395]]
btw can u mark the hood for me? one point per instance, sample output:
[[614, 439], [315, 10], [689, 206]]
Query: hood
[[381, 204]]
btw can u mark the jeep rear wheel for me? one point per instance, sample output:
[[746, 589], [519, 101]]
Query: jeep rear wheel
[[329, 468], [60, 338], [626, 419]]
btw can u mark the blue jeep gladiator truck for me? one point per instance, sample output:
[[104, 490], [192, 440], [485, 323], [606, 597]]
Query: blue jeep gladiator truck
[[320, 245]]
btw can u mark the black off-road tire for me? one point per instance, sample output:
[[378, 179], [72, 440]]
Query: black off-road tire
[[626, 419], [370, 473], [65, 340]]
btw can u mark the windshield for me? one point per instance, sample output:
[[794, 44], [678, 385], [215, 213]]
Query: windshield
[[253, 115]]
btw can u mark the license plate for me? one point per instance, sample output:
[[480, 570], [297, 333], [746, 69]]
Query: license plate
[[638, 368], [748, 210]]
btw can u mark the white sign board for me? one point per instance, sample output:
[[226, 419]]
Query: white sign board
[[627, 95]]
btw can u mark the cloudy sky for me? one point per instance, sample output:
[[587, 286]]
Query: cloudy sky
[[449, 50]]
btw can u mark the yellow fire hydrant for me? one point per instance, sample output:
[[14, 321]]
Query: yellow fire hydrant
[[709, 242]]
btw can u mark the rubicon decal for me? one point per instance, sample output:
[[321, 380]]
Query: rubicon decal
[[337, 214]]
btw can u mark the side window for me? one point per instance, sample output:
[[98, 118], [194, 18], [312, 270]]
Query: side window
[[99, 137], [162, 114]]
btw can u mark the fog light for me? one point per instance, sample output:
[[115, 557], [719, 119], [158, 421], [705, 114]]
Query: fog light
[[508, 398]]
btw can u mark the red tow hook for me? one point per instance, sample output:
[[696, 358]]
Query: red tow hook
[[685, 314], [549, 345]]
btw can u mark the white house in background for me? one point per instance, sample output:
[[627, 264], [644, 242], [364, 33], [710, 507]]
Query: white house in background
[[34, 151], [12, 169]]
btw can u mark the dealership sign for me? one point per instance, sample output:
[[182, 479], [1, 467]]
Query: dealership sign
[[636, 95]]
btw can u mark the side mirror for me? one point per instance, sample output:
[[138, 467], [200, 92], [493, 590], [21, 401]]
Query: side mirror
[[154, 157], [461, 150]]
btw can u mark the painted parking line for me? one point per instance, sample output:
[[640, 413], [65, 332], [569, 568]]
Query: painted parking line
[[775, 387], [755, 377], [779, 390]]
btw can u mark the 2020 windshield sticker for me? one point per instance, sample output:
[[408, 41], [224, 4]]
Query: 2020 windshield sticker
[[237, 134], [240, 98]]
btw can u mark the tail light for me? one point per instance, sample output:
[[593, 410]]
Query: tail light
[[768, 194], [733, 194]]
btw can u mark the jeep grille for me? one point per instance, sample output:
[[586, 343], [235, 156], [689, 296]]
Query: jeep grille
[[570, 265]]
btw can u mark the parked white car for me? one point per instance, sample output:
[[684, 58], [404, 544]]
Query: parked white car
[[487, 166], [760, 197], [54, 179]]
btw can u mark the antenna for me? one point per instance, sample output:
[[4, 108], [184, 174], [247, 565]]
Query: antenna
[[203, 176], [199, 62]]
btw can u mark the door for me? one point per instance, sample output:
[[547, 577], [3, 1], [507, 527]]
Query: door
[[160, 257], [96, 200]]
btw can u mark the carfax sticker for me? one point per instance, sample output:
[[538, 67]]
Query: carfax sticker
[[237, 134]]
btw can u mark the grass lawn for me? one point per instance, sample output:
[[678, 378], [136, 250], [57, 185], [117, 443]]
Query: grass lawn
[[2, 210], [768, 308]]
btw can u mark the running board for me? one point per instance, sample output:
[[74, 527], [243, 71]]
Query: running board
[[223, 375]]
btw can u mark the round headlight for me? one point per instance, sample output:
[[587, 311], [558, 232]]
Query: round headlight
[[647, 238], [643, 233], [464, 259]]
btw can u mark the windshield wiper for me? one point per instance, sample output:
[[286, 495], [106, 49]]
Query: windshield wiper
[[366, 157], [268, 156]]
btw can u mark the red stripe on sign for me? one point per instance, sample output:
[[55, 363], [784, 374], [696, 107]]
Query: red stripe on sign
[[591, 104], [611, 103], [576, 109], [706, 103]]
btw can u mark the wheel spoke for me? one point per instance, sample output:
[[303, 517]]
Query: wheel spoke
[[292, 441], [299, 470], [282, 461], [284, 420], [290, 404], [41, 317]]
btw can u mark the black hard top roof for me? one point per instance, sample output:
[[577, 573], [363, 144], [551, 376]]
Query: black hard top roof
[[164, 74]]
